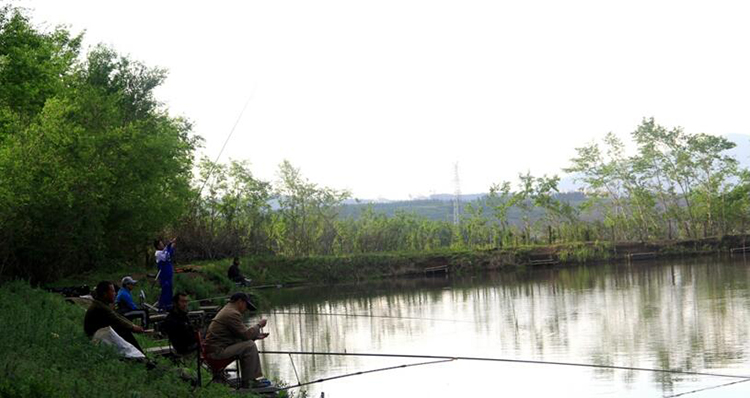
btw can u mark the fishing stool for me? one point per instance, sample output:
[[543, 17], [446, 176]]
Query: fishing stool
[[216, 366]]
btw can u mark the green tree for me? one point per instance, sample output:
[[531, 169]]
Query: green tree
[[306, 215], [87, 180]]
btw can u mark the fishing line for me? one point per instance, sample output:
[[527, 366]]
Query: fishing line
[[363, 372], [226, 141], [707, 388], [525, 361]]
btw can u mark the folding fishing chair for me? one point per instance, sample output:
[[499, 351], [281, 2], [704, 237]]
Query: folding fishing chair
[[217, 366]]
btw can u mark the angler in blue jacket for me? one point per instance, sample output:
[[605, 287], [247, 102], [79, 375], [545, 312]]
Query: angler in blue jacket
[[126, 306], [166, 270]]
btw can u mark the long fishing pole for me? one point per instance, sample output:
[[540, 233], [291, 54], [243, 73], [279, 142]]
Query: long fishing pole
[[370, 316], [410, 318], [509, 360], [707, 388], [210, 298], [363, 372]]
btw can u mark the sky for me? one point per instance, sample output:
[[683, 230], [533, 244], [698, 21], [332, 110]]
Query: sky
[[384, 97]]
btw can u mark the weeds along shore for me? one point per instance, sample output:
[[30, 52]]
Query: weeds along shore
[[208, 279]]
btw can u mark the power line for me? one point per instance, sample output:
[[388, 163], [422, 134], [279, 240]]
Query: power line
[[456, 196]]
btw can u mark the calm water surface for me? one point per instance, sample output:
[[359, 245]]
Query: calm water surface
[[688, 314]]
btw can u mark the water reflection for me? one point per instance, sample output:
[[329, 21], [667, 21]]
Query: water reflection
[[688, 315]]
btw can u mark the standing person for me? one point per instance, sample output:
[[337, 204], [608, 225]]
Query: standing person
[[125, 305], [228, 337], [177, 325], [100, 315], [166, 271]]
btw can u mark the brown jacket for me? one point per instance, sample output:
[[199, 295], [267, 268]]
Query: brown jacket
[[227, 328]]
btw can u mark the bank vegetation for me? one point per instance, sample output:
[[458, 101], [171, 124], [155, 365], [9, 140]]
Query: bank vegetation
[[94, 167]]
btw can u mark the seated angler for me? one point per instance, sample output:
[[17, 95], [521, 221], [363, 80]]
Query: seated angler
[[178, 328], [228, 337], [234, 274], [125, 304], [101, 314]]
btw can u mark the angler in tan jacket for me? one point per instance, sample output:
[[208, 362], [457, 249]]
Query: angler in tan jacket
[[228, 337]]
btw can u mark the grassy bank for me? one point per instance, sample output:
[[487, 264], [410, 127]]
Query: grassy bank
[[208, 278], [46, 354], [353, 268]]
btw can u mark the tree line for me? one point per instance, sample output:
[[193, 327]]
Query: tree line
[[91, 164], [674, 185], [93, 168]]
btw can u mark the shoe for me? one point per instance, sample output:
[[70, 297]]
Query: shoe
[[261, 383]]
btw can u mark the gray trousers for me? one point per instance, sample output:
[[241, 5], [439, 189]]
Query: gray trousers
[[247, 351], [137, 314]]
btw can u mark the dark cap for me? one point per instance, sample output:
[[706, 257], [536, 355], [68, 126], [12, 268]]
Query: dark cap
[[242, 296]]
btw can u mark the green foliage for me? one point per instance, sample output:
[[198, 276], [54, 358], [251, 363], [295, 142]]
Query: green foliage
[[92, 166], [34, 67], [304, 222], [581, 253], [232, 213], [677, 185]]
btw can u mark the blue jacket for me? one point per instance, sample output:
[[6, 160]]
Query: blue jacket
[[124, 301]]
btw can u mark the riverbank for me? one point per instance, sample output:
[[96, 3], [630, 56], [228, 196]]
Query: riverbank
[[207, 279], [356, 268], [54, 358], [46, 354]]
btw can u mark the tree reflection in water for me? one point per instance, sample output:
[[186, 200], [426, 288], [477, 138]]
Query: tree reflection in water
[[688, 315]]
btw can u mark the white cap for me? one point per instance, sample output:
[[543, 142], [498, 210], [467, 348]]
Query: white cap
[[128, 281]]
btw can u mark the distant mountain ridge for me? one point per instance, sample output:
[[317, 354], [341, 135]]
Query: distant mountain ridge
[[440, 207]]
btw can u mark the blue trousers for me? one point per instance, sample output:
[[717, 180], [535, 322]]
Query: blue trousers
[[165, 300]]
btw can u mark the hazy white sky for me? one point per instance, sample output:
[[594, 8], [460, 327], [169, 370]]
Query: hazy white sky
[[382, 97]]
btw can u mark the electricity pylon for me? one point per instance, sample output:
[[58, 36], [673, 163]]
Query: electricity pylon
[[456, 196]]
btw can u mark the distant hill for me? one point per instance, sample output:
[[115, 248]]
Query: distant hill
[[439, 207]]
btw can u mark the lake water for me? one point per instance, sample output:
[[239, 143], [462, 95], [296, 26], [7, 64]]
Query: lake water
[[684, 314]]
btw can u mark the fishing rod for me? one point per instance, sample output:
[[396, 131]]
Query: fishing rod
[[364, 372], [707, 388], [508, 360], [370, 316], [273, 312], [210, 298]]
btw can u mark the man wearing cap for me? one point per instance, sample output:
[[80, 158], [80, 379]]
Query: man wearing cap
[[228, 337], [125, 305]]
